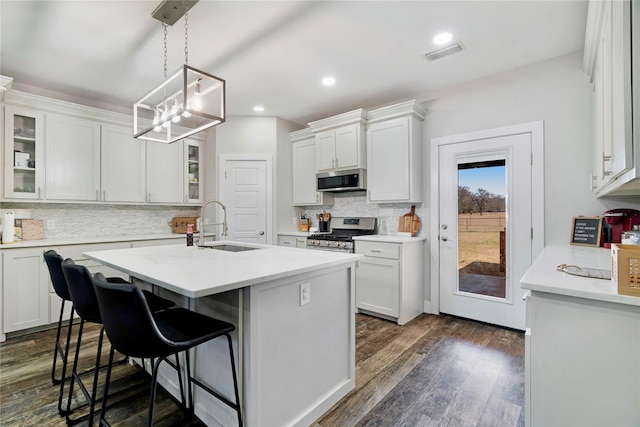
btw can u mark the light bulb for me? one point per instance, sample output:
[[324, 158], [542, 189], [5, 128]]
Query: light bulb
[[186, 113], [174, 110], [196, 101], [156, 121]]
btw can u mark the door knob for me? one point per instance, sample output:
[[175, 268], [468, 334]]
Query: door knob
[[262, 233], [444, 226], [444, 238]]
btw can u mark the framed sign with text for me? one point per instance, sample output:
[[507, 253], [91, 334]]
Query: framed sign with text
[[586, 231]]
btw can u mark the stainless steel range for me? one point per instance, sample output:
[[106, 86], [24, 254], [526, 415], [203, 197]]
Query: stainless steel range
[[340, 238]]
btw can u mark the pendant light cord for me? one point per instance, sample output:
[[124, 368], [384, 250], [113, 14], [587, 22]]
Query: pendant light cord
[[164, 28], [186, 33]]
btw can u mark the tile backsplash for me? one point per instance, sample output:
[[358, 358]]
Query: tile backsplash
[[84, 220], [354, 204]]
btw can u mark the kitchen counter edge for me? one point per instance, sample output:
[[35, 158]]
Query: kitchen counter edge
[[542, 276], [90, 240]]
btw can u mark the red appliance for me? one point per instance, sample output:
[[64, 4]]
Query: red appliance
[[620, 220]]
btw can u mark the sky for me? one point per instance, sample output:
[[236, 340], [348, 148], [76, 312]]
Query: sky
[[491, 179]]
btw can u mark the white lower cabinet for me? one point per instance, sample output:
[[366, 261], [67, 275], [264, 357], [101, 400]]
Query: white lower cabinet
[[29, 299], [582, 362], [292, 241], [389, 281], [25, 289]]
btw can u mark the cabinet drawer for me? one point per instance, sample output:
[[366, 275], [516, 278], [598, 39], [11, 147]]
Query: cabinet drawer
[[379, 250]]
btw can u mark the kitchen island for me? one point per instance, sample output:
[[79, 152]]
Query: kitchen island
[[294, 312], [582, 344]]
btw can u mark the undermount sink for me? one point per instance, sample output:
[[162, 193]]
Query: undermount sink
[[231, 248]]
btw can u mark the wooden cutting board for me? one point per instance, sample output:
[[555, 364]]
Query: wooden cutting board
[[409, 223]]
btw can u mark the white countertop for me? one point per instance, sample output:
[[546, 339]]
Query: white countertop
[[391, 238], [92, 239], [197, 272], [542, 276]]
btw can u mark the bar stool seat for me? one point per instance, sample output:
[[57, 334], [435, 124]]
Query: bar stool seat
[[137, 332]]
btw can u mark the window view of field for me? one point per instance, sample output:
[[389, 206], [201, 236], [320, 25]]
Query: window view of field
[[481, 233]]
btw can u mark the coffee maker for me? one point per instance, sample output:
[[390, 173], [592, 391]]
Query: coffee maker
[[618, 221]]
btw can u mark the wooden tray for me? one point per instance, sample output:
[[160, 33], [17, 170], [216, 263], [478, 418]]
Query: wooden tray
[[179, 224]]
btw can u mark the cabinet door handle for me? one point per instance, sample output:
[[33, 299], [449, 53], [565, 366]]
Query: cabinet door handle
[[104, 195], [317, 197], [97, 194], [333, 163], [605, 172], [377, 251], [337, 165], [149, 197], [39, 193]]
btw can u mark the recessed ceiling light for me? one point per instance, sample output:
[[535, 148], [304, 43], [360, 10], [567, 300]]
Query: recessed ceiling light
[[258, 108], [442, 38], [328, 81]]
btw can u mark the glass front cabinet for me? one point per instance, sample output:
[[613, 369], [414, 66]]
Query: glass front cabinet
[[193, 180], [23, 156]]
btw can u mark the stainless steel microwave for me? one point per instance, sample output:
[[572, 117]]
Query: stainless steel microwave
[[345, 180]]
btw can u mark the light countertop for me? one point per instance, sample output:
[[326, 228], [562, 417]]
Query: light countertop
[[542, 276], [91, 239], [197, 272]]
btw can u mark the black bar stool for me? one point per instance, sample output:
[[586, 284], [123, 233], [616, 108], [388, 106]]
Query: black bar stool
[[83, 296], [54, 262], [137, 332]]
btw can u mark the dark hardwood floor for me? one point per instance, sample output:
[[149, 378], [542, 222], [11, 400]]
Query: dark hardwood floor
[[433, 371]]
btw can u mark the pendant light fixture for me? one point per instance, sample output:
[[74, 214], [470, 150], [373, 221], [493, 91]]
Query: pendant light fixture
[[188, 101]]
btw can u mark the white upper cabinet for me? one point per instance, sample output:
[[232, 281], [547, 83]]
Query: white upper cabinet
[[394, 153], [123, 165], [23, 154], [304, 173], [340, 142], [608, 60], [165, 173], [193, 178], [72, 160], [60, 151]]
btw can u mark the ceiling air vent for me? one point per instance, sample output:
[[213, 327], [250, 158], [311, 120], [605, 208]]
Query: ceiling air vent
[[437, 54]]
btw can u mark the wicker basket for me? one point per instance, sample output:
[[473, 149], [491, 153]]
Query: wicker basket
[[179, 224], [32, 229], [625, 268]]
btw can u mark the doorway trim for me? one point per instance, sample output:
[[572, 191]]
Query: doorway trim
[[536, 130], [222, 168]]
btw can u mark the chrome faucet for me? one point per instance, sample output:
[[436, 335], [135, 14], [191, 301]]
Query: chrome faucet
[[223, 223]]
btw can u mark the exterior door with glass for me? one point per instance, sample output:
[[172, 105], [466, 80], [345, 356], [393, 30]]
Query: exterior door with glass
[[485, 227]]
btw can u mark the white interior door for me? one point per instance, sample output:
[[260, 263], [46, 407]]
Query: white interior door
[[485, 227], [244, 191]]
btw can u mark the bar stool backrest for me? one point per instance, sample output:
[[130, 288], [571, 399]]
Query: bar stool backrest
[[128, 321], [54, 263], [81, 289]]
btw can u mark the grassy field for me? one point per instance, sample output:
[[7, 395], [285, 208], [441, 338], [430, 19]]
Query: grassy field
[[479, 242]]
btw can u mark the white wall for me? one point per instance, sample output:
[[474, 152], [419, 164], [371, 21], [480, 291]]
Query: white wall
[[556, 92], [264, 135]]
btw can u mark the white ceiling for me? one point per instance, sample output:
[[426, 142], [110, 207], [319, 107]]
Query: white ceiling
[[274, 53]]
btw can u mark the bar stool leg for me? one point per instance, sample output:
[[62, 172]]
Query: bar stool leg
[[57, 349], [65, 357]]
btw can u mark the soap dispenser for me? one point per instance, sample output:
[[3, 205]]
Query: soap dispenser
[[189, 234]]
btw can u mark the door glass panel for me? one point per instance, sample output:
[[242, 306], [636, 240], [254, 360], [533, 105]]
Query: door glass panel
[[482, 228], [194, 171], [24, 152]]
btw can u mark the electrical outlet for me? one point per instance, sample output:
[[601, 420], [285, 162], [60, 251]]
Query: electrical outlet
[[51, 224], [305, 293]]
